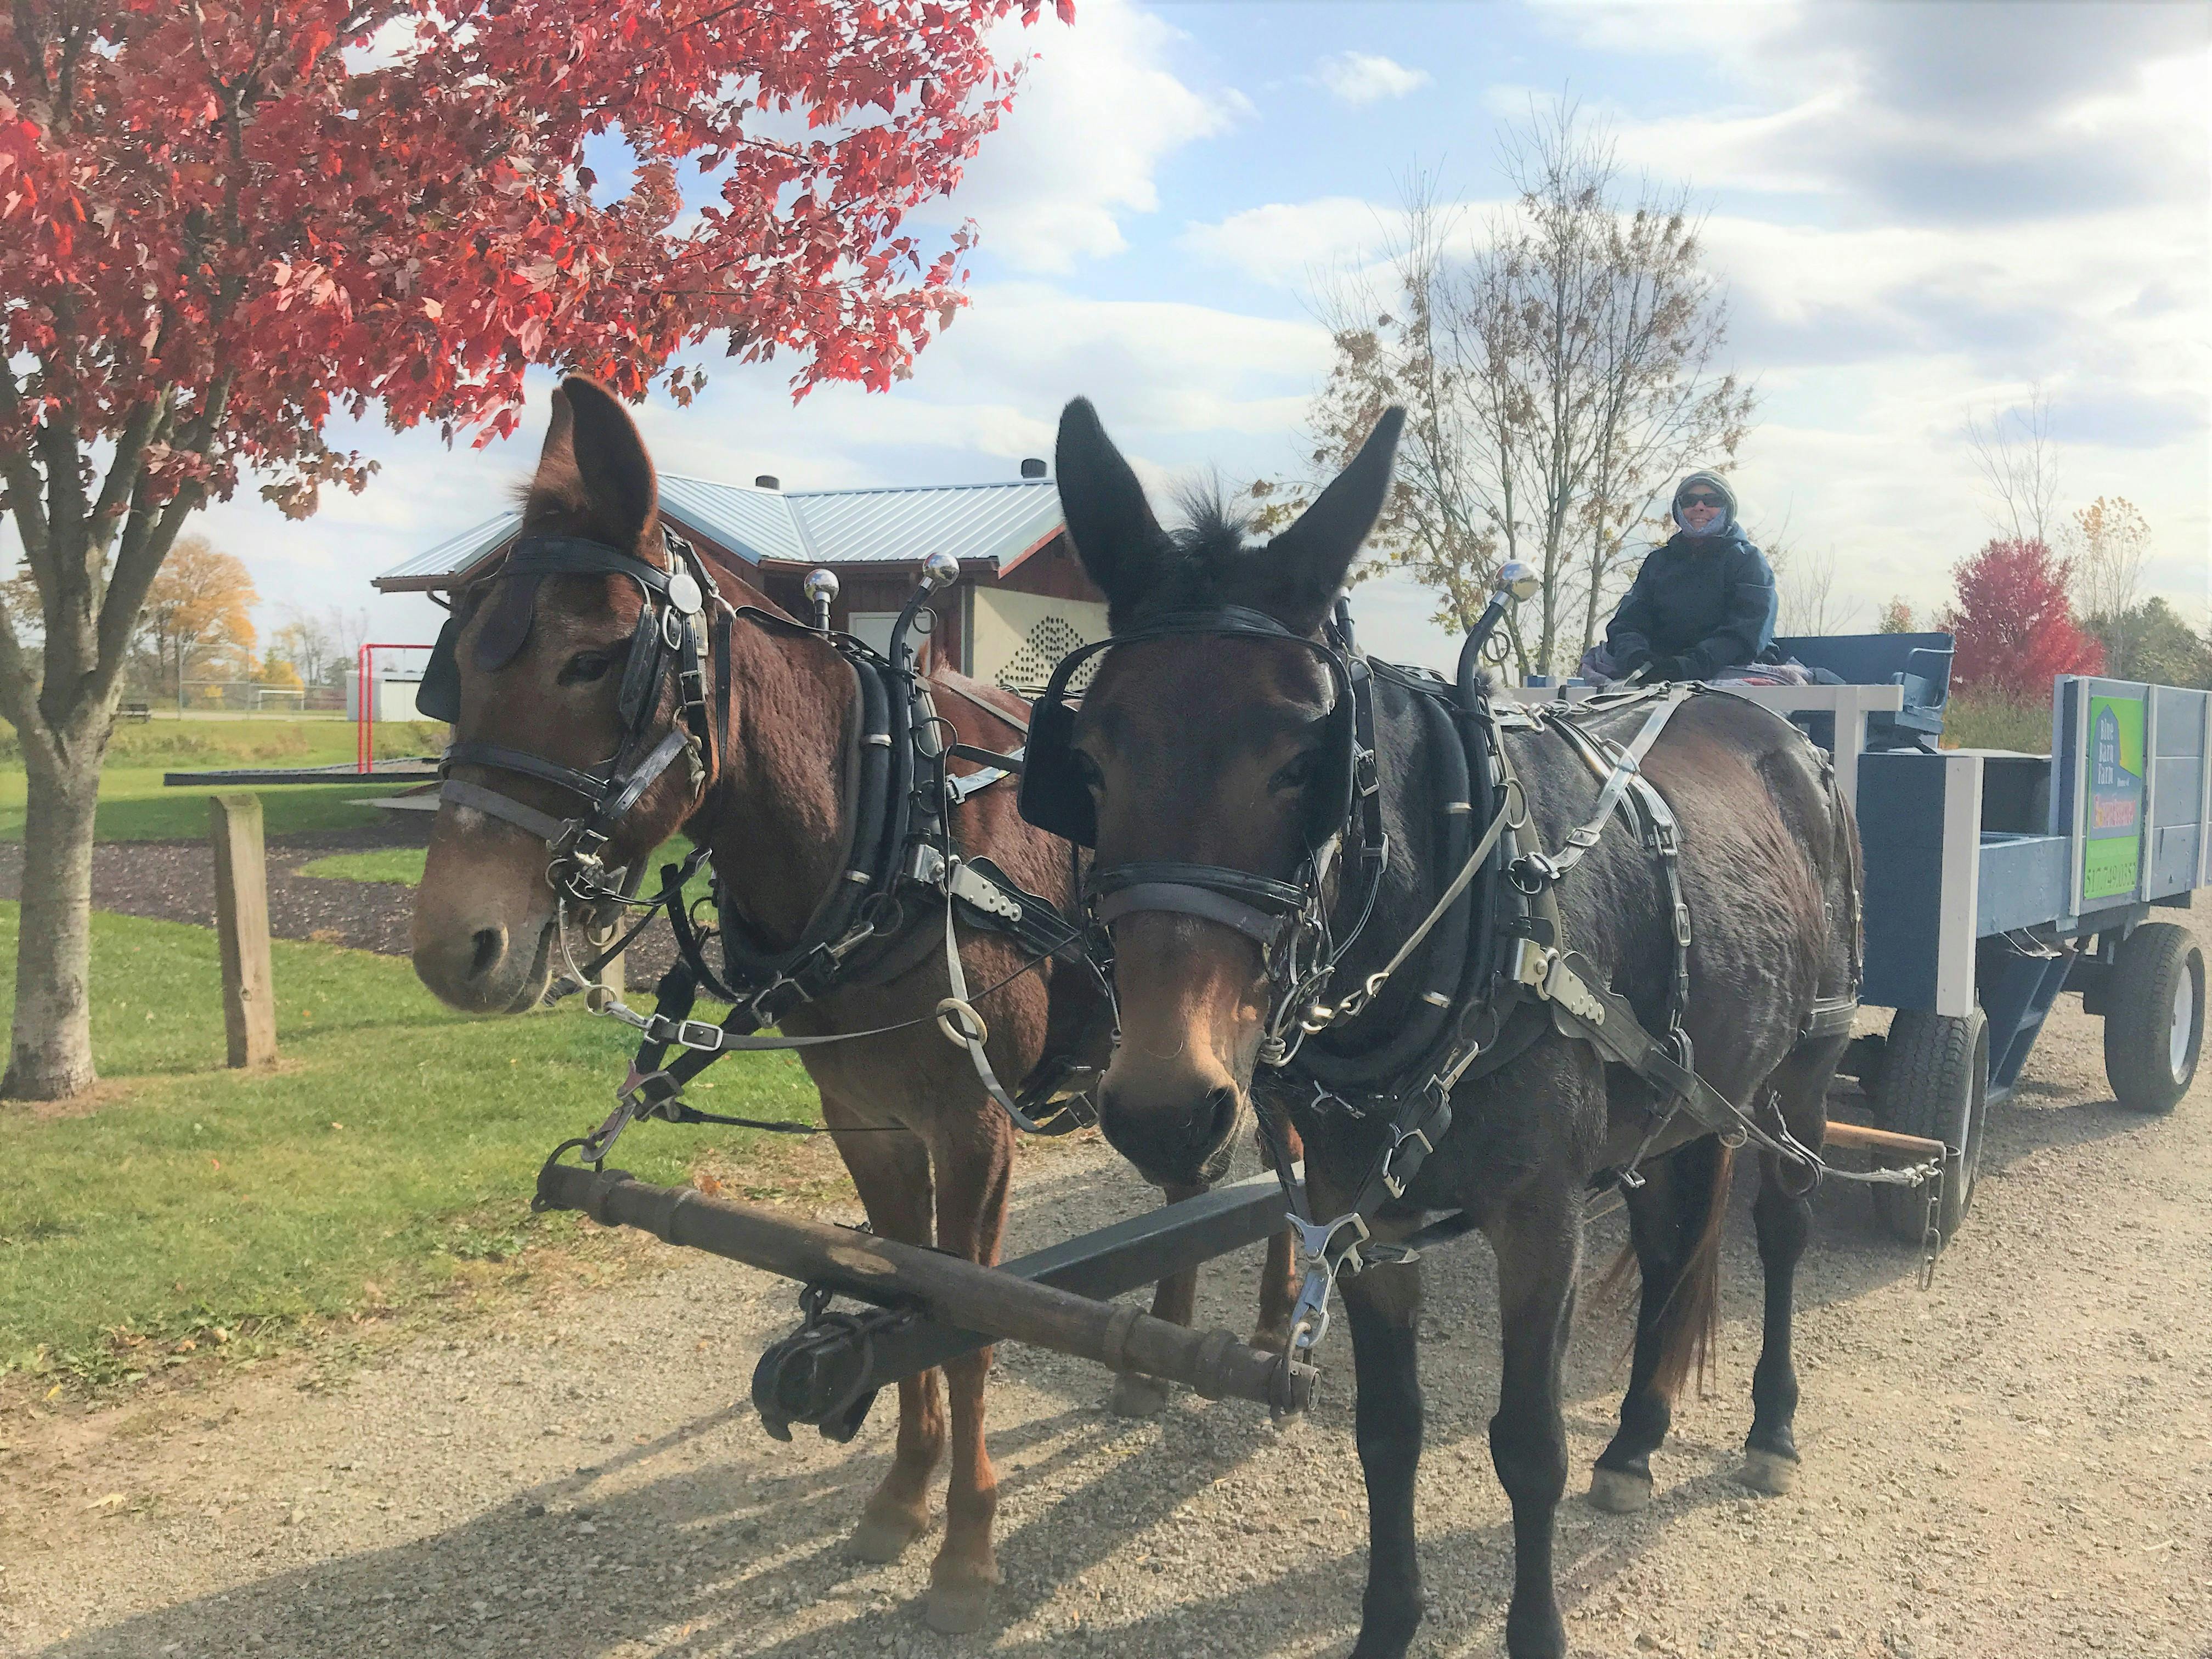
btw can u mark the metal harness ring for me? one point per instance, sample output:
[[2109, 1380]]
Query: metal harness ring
[[971, 1029]]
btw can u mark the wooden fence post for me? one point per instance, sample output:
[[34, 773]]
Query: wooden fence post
[[241, 916]]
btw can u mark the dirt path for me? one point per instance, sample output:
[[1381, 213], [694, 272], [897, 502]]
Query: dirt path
[[2014, 1466]]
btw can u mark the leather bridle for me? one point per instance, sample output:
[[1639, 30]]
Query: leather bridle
[[1342, 827], [671, 641]]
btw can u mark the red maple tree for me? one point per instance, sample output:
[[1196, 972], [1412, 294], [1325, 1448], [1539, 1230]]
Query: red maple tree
[[220, 222], [2013, 622]]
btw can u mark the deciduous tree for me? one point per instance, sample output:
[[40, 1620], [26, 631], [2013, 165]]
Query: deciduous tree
[[200, 605], [1896, 618], [220, 225], [2014, 626], [1556, 381], [2109, 543]]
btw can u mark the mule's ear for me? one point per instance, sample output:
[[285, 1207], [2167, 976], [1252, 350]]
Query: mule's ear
[[621, 490], [1309, 561], [1108, 520]]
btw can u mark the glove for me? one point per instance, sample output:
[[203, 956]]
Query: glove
[[1669, 668], [1625, 666]]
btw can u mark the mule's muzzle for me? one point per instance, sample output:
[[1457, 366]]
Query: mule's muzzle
[[485, 970], [1172, 1145]]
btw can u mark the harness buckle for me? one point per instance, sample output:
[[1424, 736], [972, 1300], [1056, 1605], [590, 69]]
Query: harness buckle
[[1405, 1143], [700, 1035], [1366, 773]]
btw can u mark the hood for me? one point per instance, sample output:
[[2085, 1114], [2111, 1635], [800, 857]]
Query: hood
[[1723, 527]]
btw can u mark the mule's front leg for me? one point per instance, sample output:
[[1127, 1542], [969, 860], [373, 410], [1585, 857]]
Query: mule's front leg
[[1785, 1221], [1539, 1248], [972, 1176], [1384, 1306], [1174, 1299], [1279, 1278], [891, 1173]]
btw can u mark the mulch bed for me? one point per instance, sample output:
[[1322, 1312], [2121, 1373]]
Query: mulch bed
[[175, 881]]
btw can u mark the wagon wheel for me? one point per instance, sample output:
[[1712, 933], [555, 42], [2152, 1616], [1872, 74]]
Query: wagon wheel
[[2154, 1031], [1935, 1084]]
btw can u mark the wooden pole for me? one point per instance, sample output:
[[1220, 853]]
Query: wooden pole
[[945, 1288], [241, 919], [1885, 1140]]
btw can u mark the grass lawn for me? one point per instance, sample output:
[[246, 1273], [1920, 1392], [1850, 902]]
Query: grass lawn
[[136, 805], [396, 1143]]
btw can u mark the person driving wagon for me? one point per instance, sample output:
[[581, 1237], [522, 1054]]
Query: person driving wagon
[[1703, 606]]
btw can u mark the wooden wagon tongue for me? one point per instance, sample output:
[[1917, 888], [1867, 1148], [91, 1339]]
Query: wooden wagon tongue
[[826, 1373]]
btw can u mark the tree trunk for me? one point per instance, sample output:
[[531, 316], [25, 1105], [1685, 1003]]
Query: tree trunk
[[50, 1054]]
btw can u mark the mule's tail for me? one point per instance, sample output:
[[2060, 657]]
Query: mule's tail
[[1691, 1316]]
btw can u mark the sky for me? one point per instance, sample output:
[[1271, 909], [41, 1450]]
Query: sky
[[1922, 214]]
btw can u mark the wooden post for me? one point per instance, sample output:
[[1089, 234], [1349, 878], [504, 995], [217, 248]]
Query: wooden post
[[241, 918]]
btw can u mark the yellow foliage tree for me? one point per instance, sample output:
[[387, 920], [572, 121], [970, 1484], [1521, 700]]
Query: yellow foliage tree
[[200, 607]]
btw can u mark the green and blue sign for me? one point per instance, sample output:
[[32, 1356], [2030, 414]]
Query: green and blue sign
[[2112, 802]]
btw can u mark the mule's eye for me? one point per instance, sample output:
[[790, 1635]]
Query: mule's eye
[[1296, 774], [584, 666]]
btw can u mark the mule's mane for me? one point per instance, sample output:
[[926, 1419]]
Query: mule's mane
[[1207, 561]]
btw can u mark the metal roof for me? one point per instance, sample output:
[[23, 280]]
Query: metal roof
[[994, 523], [988, 523], [754, 523], [454, 558]]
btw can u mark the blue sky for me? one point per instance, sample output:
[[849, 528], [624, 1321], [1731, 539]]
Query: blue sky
[[1921, 212]]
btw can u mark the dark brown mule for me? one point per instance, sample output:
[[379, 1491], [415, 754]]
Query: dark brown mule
[[770, 815], [1199, 750]]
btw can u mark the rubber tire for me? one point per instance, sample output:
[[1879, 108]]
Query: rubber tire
[[2146, 979], [1935, 1084]]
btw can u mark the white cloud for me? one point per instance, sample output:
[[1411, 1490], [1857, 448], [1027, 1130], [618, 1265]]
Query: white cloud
[[1099, 110], [1283, 243], [1366, 77]]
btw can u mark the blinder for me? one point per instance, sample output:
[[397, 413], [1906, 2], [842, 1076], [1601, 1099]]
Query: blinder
[[1055, 797], [669, 634], [1290, 920]]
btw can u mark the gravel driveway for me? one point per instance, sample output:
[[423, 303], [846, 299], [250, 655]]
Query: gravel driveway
[[2014, 1466]]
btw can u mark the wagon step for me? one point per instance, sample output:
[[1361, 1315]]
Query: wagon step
[[980, 1304]]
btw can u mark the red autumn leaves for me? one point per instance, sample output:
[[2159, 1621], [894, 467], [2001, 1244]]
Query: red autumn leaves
[[246, 219]]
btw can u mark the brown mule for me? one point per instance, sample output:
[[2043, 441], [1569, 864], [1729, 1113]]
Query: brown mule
[[770, 810], [1206, 745]]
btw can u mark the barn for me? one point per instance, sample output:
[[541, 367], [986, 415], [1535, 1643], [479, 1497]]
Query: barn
[[1022, 602]]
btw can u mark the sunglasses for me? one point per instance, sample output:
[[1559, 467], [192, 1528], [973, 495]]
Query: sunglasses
[[1697, 501]]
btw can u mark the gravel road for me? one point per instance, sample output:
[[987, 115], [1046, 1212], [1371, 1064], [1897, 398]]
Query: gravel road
[[2015, 1465]]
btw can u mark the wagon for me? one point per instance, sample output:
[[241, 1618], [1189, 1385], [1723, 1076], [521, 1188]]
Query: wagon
[[1997, 881]]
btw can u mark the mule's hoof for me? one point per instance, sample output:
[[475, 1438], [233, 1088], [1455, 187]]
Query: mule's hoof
[[957, 1608], [881, 1538], [1138, 1396], [1271, 1338], [1619, 1492], [1768, 1472]]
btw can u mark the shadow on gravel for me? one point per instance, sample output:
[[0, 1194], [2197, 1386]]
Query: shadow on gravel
[[716, 1557]]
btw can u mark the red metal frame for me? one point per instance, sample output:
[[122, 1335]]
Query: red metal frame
[[364, 701]]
